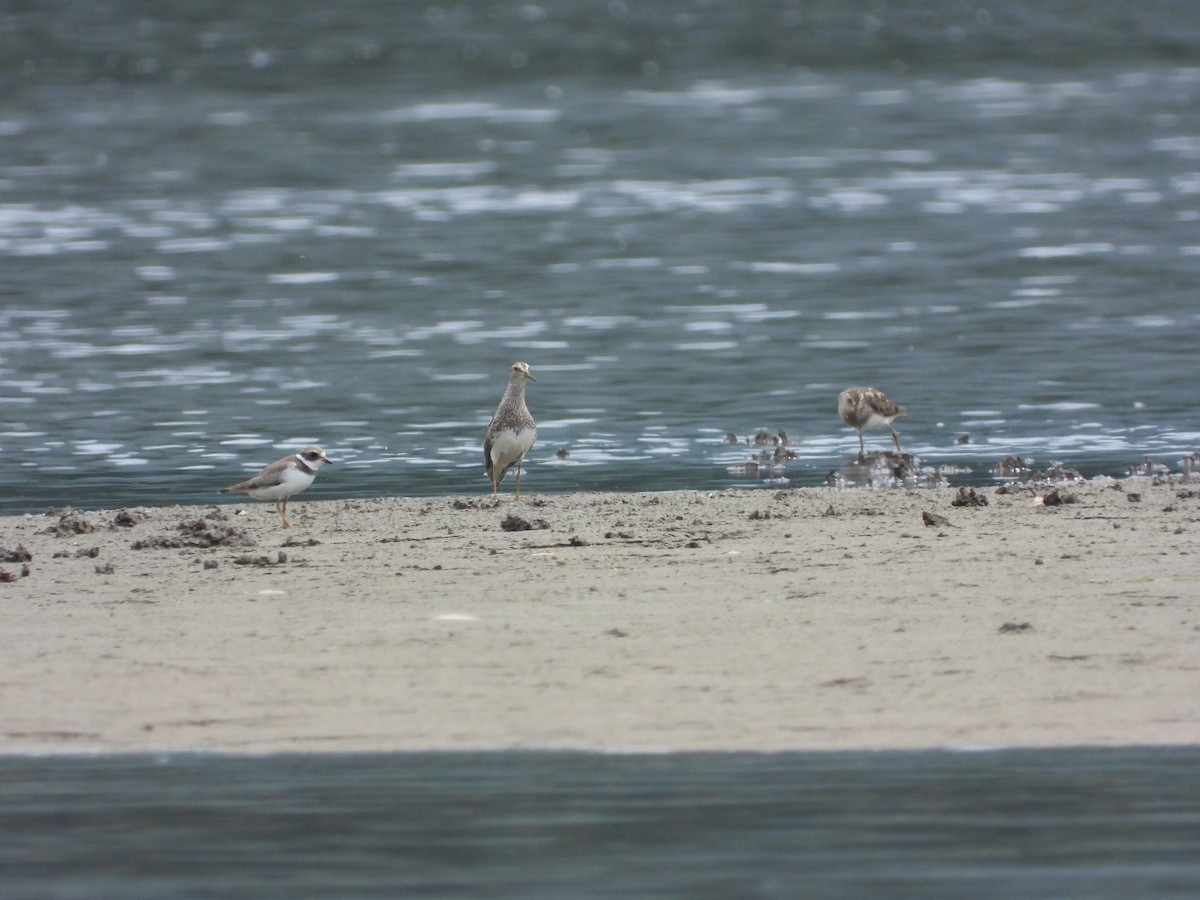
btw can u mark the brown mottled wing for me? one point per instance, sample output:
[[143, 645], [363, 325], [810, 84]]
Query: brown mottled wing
[[268, 477], [881, 403], [487, 447], [885, 406]]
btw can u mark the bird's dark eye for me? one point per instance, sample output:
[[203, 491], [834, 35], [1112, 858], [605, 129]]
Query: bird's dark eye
[[311, 455]]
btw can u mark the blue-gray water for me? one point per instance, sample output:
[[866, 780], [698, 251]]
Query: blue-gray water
[[1056, 823], [229, 229]]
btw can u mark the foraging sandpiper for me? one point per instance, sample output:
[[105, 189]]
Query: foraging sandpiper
[[868, 407]]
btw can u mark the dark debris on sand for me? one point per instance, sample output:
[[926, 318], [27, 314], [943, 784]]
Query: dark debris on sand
[[127, 519], [1015, 627], [968, 497], [20, 555], [1055, 497], [93, 552], [513, 522], [69, 524], [261, 562], [199, 533]]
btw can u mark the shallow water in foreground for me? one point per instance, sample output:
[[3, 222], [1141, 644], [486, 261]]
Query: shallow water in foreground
[[1066, 822]]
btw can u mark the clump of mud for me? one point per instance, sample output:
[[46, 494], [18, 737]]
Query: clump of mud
[[69, 524], [128, 519], [513, 522], [968, 497], [202, 533], [1055, 497], [262, 562]]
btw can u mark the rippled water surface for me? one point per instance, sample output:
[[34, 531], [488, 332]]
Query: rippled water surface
[[1056, 823], [227, 232]]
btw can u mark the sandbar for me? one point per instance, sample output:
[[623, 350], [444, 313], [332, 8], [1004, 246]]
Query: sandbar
[[744, 619]]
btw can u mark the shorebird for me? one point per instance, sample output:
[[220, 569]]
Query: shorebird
[[868, 407], [511, 432], [282, 479]]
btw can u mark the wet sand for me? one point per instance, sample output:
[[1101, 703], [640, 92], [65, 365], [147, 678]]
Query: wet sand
[[738, 620]]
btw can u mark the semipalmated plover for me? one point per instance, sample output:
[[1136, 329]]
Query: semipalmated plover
[[511, 432], [282, 479], [868, 407]]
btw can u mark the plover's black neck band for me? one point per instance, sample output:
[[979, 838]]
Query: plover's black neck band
[[304, 466]]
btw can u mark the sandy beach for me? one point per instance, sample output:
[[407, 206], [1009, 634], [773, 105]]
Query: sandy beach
[[742, 619]]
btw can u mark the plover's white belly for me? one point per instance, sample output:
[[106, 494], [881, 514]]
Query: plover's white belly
[[875, 420], [294, 481], [508, 445]]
